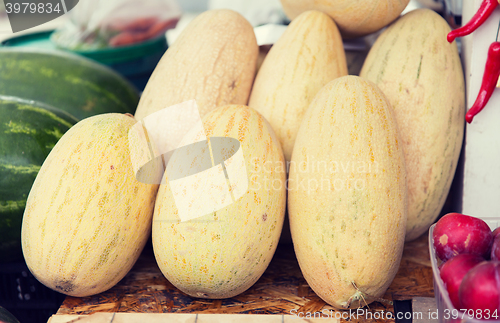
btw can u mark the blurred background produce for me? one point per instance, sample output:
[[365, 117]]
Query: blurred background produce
[[96, 24], [126, 35]]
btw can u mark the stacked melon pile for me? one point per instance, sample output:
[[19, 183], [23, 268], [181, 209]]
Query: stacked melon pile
[[362, 162]]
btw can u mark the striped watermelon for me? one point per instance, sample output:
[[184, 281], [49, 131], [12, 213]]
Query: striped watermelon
[[42, 94], [69, 82], [6, 316], [28, 131]]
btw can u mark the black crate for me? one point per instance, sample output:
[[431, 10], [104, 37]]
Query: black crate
[[24, 296]]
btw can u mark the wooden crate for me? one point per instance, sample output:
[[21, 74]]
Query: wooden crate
[[279, 295]]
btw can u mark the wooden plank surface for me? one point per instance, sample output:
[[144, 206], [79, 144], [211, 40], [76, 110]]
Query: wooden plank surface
[[425, 310], [281, 290], [182, 318]]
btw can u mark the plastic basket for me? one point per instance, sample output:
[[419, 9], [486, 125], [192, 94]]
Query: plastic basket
[[446, 311], [24, 296]]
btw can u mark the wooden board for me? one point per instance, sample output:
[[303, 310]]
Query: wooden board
[[281, 290], [183, 318]]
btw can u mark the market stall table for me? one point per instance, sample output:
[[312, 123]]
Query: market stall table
[[282, 290]]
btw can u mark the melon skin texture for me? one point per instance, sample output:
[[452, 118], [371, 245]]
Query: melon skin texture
[[354, 18], [307, 56], [213, 61], [87, 218], [347, 198], [222, 254], [422, 76]]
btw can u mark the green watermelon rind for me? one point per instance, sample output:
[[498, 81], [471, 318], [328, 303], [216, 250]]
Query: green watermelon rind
[[70, 82], [65, 116], [7, 317], [23, 148]]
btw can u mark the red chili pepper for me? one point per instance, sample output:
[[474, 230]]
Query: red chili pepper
[[485, 10], [490, 79]]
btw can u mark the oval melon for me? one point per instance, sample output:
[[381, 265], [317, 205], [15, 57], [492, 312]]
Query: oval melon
[[422, 76], [347, 194], [222, 253], [213, 61], [307, 56], [87, 218], [354, 18]]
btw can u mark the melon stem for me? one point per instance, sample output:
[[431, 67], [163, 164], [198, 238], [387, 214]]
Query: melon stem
[[360, 295]]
